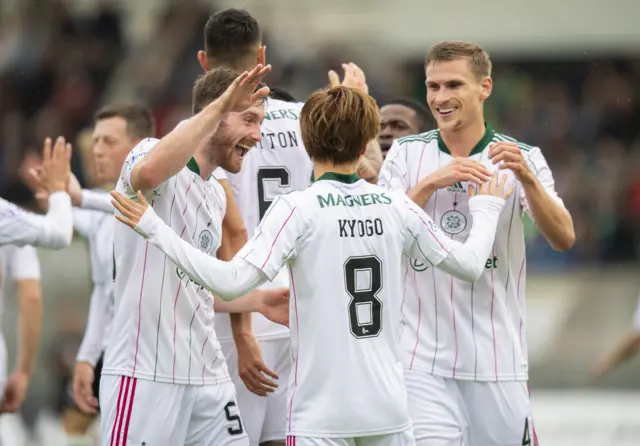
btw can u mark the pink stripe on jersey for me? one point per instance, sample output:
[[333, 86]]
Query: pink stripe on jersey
[[493, 328], [144, 269], [518, 295], [118, 410], [276, 239], [415, 347], [430, 232], [420, 164], [186, 201], [295, 374], [455, 330]]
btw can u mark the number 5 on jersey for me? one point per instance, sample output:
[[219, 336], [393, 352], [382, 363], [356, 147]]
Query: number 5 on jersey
[[279, 174], [363, 280]]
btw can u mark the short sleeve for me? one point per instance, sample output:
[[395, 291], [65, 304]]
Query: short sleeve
[[394, 173], [135, 156], [24, 264], [538, 165], [219, 174], [274, 242], [423, 239]]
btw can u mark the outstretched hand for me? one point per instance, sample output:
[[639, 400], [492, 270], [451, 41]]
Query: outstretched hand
[[353, 77], [496, 187], [244, 91], [130, 211]]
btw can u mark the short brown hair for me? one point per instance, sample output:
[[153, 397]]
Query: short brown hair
[[448, 50], [211, 85], [140, 123], [338, 123]]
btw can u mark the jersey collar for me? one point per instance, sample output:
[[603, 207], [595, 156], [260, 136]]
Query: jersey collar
[[340, 177], [192, 165], [484, 142]]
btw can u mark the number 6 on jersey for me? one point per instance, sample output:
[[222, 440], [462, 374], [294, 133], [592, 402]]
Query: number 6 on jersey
[[363, 280]]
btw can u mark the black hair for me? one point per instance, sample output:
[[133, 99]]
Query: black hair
[[281, 94], [425, 118], [231, 35]]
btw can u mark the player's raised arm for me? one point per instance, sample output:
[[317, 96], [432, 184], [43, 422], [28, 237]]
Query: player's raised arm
[[55, 229], [463, 260], [174, 151], [259, 261]]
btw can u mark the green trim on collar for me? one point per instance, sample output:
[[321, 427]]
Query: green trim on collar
[[192, 165], [484, 142], [340, 177]]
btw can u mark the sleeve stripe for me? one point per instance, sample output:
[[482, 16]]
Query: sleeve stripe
[[430, 232], [276, 238]]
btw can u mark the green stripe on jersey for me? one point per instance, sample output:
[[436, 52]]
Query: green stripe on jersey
[[522, 146], [422, 137], [482, 144]]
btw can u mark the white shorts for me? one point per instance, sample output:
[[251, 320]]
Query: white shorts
[[265, 418], [448, 412], [137, 412], [399, 439]]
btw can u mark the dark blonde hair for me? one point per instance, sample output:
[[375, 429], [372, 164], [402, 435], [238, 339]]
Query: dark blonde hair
[[140, 123], [448, 50], [211, 85], [338, 123]]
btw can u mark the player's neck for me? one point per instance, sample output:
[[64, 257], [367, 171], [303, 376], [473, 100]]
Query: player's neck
[[461, 142], [205, 166], [320, 169]]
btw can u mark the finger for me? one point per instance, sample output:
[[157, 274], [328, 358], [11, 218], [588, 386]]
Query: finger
[[472, 170], [253, 75], [508, 193], [470, 177], [334, 79], [251, 384], [493, 182], [260, 94], [263, 382], [238, 81], [131, 206], [472, 190], [502, 182], [267, 371], [512, 166], [126, 221], [143, 201], [46, 150], [68, 152], [123, 205]]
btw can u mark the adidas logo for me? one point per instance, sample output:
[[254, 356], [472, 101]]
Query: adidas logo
[[456, 187]]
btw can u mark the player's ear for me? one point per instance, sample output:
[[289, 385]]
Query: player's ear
[[202, 59], [487, 87]]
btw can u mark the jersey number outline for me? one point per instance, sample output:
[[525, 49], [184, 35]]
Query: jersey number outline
[[373, 266], [280, 174], [526, 436], [233, 418]]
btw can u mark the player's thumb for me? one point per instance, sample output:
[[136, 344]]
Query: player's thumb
[[334, 79]]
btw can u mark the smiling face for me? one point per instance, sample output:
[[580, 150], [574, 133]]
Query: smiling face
[[455, 93], [236, 135]]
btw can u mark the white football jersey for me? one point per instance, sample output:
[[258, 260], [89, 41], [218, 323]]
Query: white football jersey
[[343, 240], [54, 230], [97, 227], [163, 322], [277, 165], [456, 329], [16, 264]]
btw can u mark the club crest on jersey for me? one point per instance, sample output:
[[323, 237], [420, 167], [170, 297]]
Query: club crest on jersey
[[418, 265], [453, 222], [205, 241]]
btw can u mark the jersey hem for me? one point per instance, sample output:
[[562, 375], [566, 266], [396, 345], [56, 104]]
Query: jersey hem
[[350, 434], [268, 337], [472, 376], [208, 381]]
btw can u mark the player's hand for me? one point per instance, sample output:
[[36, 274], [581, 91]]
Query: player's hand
[[251, 368], [75, 191], [244, 92], [458, 170], [274, 305], [56, 165], [15, 392], [83, 396], [509, 154], [495, 187], [130, 211], [353, 77]]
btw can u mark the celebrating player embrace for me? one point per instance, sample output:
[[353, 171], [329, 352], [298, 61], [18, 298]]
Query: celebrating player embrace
[[342, 240]]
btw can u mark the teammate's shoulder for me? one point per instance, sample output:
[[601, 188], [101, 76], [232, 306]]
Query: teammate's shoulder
[[524, 147], [141, 149], [420, 138]]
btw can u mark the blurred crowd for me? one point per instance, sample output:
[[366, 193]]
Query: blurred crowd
[[56, 69]]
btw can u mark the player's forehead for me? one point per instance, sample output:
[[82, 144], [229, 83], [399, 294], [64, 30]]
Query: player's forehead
[[114, 127], [396, 112], [257, 110], [448, 70]]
